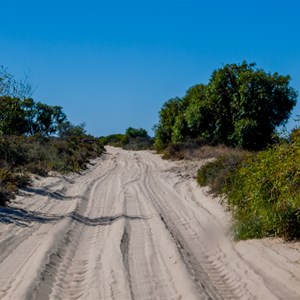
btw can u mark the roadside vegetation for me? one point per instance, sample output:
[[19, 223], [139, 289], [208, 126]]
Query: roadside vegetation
[[264, 192], [233, 119], [133, 139], [37, 138], [241, 106]]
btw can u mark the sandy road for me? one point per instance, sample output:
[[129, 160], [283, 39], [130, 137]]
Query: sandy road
[[134, 227]]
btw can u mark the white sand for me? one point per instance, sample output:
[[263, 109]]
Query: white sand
[[135, 227]]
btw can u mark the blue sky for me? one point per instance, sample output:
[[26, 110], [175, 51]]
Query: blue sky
[[112, 64]]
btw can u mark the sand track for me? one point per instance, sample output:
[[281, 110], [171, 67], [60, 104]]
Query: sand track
[[134, 227]]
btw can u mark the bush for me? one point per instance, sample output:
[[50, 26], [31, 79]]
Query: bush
[[39, 155], [133, 139], [178, 151], [262, 189], [215, 174], [138, 143], [36, 137], [9, 184], [174, 151], [264, 193], [5, 195], [115, 140]]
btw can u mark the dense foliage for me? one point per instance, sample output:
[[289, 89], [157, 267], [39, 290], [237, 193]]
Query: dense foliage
[[264, 194], [241, 106], [262, 189], [133, 139], [37, 138], [35, 154], [25, 116]]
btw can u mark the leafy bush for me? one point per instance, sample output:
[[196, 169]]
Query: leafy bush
[[133, 139], [36, 137], [133, 132], [115, 140], [39, 155], [73, 153], [264, 194], [262, 189]]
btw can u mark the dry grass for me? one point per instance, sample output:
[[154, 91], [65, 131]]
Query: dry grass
[[194, 151]]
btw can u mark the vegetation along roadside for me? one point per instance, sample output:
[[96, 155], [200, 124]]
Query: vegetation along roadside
[[234, 119], [37, 138], [133, 139]]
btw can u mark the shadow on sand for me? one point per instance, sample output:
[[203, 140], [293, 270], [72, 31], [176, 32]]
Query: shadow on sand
[[53, 195], [24, 218]]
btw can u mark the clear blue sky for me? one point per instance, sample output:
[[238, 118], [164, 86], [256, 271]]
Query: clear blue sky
[[112, 64]]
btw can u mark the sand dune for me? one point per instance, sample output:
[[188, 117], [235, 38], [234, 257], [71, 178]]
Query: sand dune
[[134, 227]]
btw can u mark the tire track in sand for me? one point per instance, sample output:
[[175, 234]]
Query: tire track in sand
[[130, 229]]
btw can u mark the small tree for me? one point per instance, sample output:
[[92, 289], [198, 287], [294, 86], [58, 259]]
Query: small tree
[[199, 113], [12, 116], [133, 132], [241, 106], [248, 104], [167, 119], [48, 119]]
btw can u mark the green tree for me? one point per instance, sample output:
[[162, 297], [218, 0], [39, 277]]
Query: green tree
[[67, 129], [22, 115], [12, 116], [248, 104], [47, 119], [18, 117], [167, 119], [133, 132], [199, 114], [241, 106]]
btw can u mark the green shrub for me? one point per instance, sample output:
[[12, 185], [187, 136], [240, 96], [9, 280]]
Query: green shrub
[[38, 138], [39, 155], [115, 140], [133, 139], [264, 193]]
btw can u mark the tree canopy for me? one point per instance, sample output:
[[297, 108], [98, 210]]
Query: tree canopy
[[133, 132], [20, 114], [18, 117], [240, 106]]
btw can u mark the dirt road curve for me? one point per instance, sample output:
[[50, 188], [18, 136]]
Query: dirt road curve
[[134, 227]]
